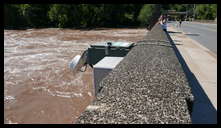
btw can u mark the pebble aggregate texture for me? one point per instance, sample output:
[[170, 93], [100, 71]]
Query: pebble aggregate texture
[[147, 86]]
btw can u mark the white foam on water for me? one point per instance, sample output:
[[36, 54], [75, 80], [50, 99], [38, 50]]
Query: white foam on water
[[68, 94], [10, 122], [59, 93], [9, 98], [44, 89], [78, 80]]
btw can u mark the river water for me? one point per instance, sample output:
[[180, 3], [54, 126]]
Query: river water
[[38, 85]]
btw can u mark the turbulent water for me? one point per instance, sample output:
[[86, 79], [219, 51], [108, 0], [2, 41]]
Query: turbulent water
[[38, 85]]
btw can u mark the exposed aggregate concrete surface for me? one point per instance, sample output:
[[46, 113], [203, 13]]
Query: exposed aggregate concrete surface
[[147, 86]]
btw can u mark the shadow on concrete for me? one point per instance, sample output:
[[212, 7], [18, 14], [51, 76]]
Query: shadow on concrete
[[192, 34], [203, 112], [177, 44], [174, 32]]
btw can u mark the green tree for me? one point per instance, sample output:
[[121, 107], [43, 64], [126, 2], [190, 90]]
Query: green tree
[[58, 14], [35, 14], [66, 15], [78, 15], [147, 14], [12, 16], [206, 11], [91, 14], [178, 7], [112, 14], [131, 13]]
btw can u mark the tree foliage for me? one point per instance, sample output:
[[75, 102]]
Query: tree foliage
[[12, 16], [92, 15], [146, 13], [206, 11], [35, 14]]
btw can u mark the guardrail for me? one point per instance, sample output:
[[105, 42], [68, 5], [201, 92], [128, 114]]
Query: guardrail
[[147, 86]]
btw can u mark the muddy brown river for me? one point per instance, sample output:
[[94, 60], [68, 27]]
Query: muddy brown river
[[38, 85]]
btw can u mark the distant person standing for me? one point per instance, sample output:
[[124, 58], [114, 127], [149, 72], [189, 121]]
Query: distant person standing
[[177, 23], [180, 22], [163, 22]]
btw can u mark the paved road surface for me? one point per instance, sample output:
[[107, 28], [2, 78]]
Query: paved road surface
[[205, 34], [201, 69]]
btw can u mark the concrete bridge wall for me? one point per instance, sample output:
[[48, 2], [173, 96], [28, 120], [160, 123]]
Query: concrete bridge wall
[[148, 86]]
